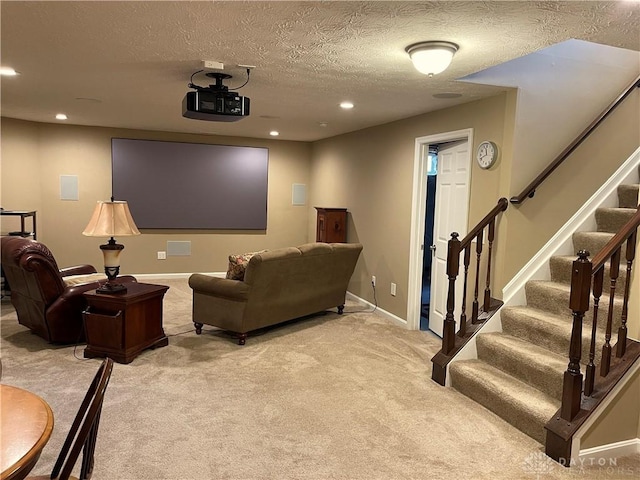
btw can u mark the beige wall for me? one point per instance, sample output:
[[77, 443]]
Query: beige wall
[[529, 226], [20, 170], [35, 155], [620, 420], [370, 172]]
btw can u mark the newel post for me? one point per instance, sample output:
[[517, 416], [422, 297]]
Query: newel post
[[579, 304], [453, 265]]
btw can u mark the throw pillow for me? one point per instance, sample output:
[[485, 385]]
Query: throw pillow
[[238, 264]]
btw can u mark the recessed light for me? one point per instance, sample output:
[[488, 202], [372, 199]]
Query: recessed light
[[8, 71], [61, 116], [346, 105], [323, 124], [274, 133]]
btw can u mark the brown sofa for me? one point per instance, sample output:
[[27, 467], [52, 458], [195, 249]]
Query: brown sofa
[[278, 285], [45, 303]]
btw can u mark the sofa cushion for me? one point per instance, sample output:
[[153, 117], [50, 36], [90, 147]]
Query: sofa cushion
[[238, 264]]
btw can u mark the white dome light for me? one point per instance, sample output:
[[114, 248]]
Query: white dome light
[[431, 57]]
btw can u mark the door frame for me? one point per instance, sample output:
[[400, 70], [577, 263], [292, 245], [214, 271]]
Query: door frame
[[418, 207]]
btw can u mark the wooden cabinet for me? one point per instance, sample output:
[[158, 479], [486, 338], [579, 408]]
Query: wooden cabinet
[[331, 225], [121, 325]]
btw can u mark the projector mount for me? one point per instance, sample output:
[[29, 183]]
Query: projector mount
[[219, 78]]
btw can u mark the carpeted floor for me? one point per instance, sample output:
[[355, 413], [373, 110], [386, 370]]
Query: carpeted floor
[[329, 397]]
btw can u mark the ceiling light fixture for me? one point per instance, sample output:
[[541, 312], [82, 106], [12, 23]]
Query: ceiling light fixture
[[61, 116], [8, 72], [431, 57], [346, 105], [274, 133]]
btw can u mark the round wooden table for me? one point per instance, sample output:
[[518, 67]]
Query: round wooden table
[[26, 422]]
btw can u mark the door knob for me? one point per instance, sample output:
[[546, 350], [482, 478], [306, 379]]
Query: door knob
[[432, 248]]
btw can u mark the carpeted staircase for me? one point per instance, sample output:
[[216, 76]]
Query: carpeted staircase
[[518, 372]]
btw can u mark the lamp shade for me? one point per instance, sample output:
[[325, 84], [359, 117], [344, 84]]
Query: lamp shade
[[111, 219], [431, 57]]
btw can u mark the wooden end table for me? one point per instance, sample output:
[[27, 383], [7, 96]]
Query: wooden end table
[[122, 325]]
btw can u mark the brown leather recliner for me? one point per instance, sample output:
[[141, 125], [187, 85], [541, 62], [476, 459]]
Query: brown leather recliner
[[43, 302]]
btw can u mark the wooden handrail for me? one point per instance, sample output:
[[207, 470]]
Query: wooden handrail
[[530, 189], [501, 206], [616, 242]]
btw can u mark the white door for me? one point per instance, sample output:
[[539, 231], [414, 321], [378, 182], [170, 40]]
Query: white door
[[451, 215]]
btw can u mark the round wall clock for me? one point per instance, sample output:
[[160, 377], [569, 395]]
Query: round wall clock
[[487, 154]]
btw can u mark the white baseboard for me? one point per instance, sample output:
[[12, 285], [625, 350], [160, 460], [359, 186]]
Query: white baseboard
[[603, 453], [383, 313], [169, 276]]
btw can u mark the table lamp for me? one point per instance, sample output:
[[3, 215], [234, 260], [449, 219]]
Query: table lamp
[[111, 219]]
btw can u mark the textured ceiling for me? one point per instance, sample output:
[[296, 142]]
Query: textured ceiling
[[127, 64]]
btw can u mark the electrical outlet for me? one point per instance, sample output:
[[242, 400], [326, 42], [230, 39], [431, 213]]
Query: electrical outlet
[[162, 255], [393, 289], [373, 280]]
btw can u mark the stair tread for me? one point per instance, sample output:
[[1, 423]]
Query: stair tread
[[508, 386], [628, 195], [571, 258], [545, 317], [626, 210], [611, 219], [597, 234], [535, 365], [561, 266], [566, 290], [542, 316], [536, 354], [521, 405]]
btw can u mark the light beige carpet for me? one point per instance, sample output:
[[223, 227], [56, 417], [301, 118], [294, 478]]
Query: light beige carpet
[[330, 397]]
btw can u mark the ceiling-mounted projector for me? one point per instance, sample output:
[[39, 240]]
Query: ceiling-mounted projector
[[215, 103]]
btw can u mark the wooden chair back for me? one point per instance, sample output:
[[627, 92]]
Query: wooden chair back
[[84, 430]]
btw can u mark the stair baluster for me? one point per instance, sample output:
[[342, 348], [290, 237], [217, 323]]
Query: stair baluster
[[622, 331], [614, 271], [579, 304], [463, 315], [474, 313], [590, 373], [453, 265], [487, 291]]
